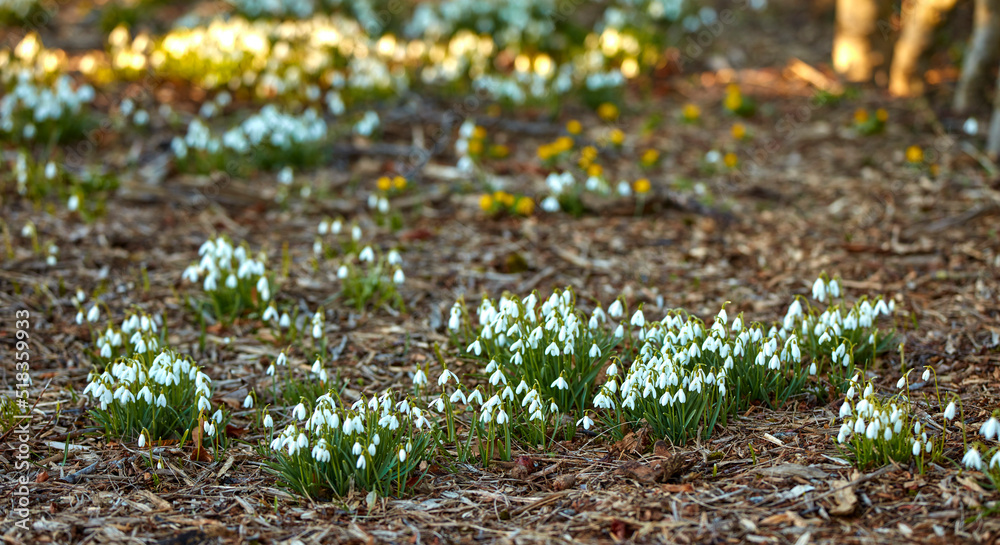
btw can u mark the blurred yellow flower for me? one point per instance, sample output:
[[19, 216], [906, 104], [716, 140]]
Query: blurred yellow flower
[[734, 101], [475, 147], [486, 203], [499, 151], [649, 157], [739, 131], [574, 127], [399, 183], [383, 183], [914, 154], [641, 186], [731, 160], [882, 115], [589, 152], [563, 143], [479, 133], [503, 198], [860, 116], [607, 111], [691, 113], [595, 170], [617, 137], [525, 206]]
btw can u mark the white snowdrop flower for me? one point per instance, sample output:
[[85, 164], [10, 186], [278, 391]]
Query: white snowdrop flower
[[361, 463], [394, 258], [357, 449], [616, 310], [859, 425], [476, 396], [300, 411], [419, 378], [209, 428], [833, 287], [971, 126], [619, 331], [949, 411], [355, 233], [285, 176], [142, 439], [550, 204], [217, 416], [595, 352], [161, 401], [926, 375], [285, 322], [475, 348], [586, 421], [317, 330], [819, 290], [372, 449], [270, 370], [458, 397], [638, 320], [995, 460], [248, 402], [868, 391], [366, 254], [901, 382], [74, 203], [502, 417], [446, 375], [560, 383], [552, 350], [612, 370], [79, 317], [50, 170], [204, 404], [871, 431], [231, 281], [398, 277], [973, 460], [990, 429], [812, 369], [497, 377], [211, 284], [342, 272], [916, 448], [888, 434], [402, 455]]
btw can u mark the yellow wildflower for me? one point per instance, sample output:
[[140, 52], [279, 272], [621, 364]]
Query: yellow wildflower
[[882, 115], [574, 127], [731, 160], [860, 116], [525, 206], [617, 137], [399, 183], [914, 154], [739, 131], [649, 157], [691, 113], [486, 203], [641, 186], [595, 170], [383, 183], [607, 111]]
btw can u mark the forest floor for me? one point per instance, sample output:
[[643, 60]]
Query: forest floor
[[822, 198]]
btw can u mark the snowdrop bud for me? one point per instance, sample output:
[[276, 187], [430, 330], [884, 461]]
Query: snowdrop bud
[[142, 439], [93, 314], [402, 455], [901, 382], [300, 411], [616, 309], [927, 374], [79, 318], [949, 411], [990, 429], [248, 402], [916, 448], [398, 277]]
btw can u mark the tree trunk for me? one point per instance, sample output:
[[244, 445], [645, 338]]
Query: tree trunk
[[982, 52], [853, 51], [918, 22]]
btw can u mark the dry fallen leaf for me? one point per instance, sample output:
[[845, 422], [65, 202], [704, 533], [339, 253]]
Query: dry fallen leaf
[[200, 454], [844, 497]]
